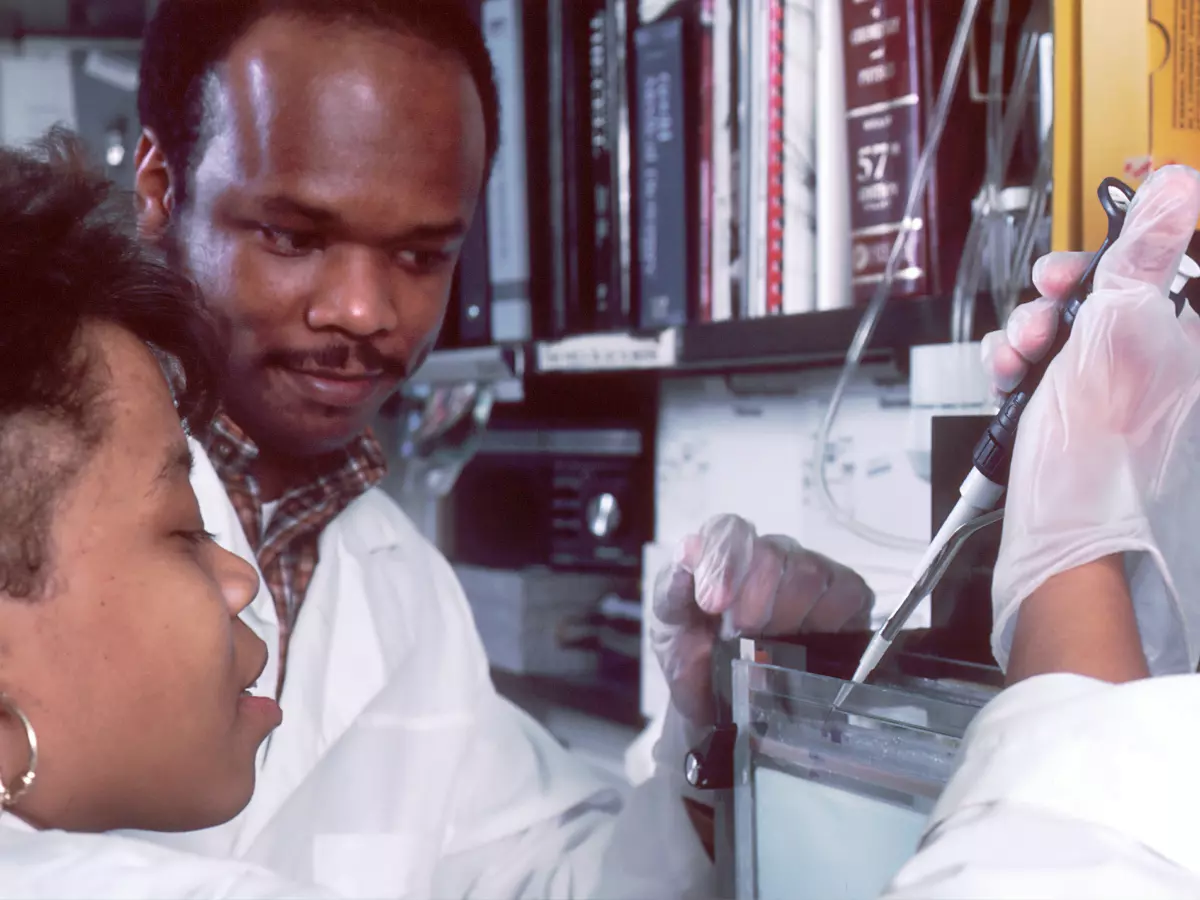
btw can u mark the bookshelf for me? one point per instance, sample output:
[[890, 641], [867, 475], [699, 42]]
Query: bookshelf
[[774, 342]]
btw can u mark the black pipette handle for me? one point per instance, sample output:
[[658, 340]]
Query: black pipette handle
[[993, 453]]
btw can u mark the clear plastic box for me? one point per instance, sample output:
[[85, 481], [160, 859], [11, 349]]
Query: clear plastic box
[[830, 807]]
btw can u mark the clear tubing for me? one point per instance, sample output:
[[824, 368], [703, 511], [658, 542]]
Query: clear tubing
[[870, 319], [995, 221], [1025, 243], [1021, 95], [1001, 248], [995, 96], [967, 283]]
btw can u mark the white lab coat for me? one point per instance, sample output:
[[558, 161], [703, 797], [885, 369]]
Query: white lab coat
[[399, 771], [1069, 788], [56, 865]]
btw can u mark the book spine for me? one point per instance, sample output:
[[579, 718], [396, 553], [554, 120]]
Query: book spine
[[578, 189], [469, 321], [606, 288], [704, 162], [534, 67], [507, 201], [833, 169], [884, 119], [753, 160], [559, 246], [774, 160], [662, 175], [724, 139], [799, 75], [474, 288], [624, 18]]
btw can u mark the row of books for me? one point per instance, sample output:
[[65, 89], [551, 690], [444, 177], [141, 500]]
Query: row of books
[[664, 163]]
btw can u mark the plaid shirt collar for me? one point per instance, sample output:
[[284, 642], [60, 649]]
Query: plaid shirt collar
[[286, 547]]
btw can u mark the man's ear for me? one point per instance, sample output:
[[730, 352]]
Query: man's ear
[[154, 187]]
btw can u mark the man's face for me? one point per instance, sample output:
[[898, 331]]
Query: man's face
[[327, 206]]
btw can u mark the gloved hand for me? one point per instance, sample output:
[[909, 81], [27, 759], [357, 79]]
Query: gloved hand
[[729, 580], [1107, 457]]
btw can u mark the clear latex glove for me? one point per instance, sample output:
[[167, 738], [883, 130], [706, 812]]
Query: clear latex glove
[[729, 580], [1107, 458]]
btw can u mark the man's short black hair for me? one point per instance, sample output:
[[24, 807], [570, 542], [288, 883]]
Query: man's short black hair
[[187, 39], [68, 257]]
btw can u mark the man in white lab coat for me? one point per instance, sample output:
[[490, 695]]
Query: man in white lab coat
[[314, 167]]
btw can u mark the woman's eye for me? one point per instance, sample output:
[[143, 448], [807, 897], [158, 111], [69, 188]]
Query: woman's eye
[[197, 537]]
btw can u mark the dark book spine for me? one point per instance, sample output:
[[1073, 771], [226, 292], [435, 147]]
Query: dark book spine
[[556, 150], [474, 286], [705, 164], [508, 214], [578, 192], [472, 289], [884, 126], [602, 140], [539, 173], [664, 188]]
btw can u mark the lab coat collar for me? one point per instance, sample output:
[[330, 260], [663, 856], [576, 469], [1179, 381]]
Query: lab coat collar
[[12, 823]]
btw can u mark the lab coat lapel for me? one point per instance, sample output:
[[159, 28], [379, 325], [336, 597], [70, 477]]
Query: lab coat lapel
[[336, 666]]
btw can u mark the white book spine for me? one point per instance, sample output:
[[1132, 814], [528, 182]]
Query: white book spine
[[833, 167], [724, 121], [799, 156]]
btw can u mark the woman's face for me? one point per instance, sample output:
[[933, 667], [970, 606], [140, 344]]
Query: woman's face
[[132, 666]]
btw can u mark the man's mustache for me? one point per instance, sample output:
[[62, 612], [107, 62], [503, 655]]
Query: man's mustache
[[337, 357]]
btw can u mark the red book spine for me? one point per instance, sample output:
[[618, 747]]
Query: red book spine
[[775, 123]]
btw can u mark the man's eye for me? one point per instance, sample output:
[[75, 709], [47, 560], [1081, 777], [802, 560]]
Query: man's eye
[[423, 260], [289, 243]]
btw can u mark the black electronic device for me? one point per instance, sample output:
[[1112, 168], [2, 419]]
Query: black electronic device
[[567, 498]]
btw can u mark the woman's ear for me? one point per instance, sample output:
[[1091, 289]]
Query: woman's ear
[[154, 187]]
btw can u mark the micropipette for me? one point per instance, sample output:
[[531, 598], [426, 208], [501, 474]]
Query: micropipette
[[928, 579], [988, 478]]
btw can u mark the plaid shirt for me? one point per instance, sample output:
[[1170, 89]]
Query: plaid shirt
[[286, 547]]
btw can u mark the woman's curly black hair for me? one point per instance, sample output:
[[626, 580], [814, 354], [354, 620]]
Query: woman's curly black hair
[[69, 256]]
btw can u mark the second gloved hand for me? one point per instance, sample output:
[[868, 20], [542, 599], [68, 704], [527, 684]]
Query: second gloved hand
[[730, 581], [1107, 458]]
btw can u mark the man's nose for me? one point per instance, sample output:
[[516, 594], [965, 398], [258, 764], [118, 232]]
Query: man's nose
[[354, 295]]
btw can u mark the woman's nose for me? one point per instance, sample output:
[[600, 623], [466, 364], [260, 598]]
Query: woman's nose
[[239, 580]]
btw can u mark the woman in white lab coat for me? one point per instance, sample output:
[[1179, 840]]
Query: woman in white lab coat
[[124, 669]]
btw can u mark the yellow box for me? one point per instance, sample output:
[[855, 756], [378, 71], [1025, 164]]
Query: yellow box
[[1127, 101], [1066, 231]]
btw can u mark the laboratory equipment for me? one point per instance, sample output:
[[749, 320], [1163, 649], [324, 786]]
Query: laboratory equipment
[[944, 379], [832, 808], [988, 477], [986, 481], [927, 580]]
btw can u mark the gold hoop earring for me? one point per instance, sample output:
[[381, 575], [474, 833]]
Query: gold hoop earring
[[10, 796]]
